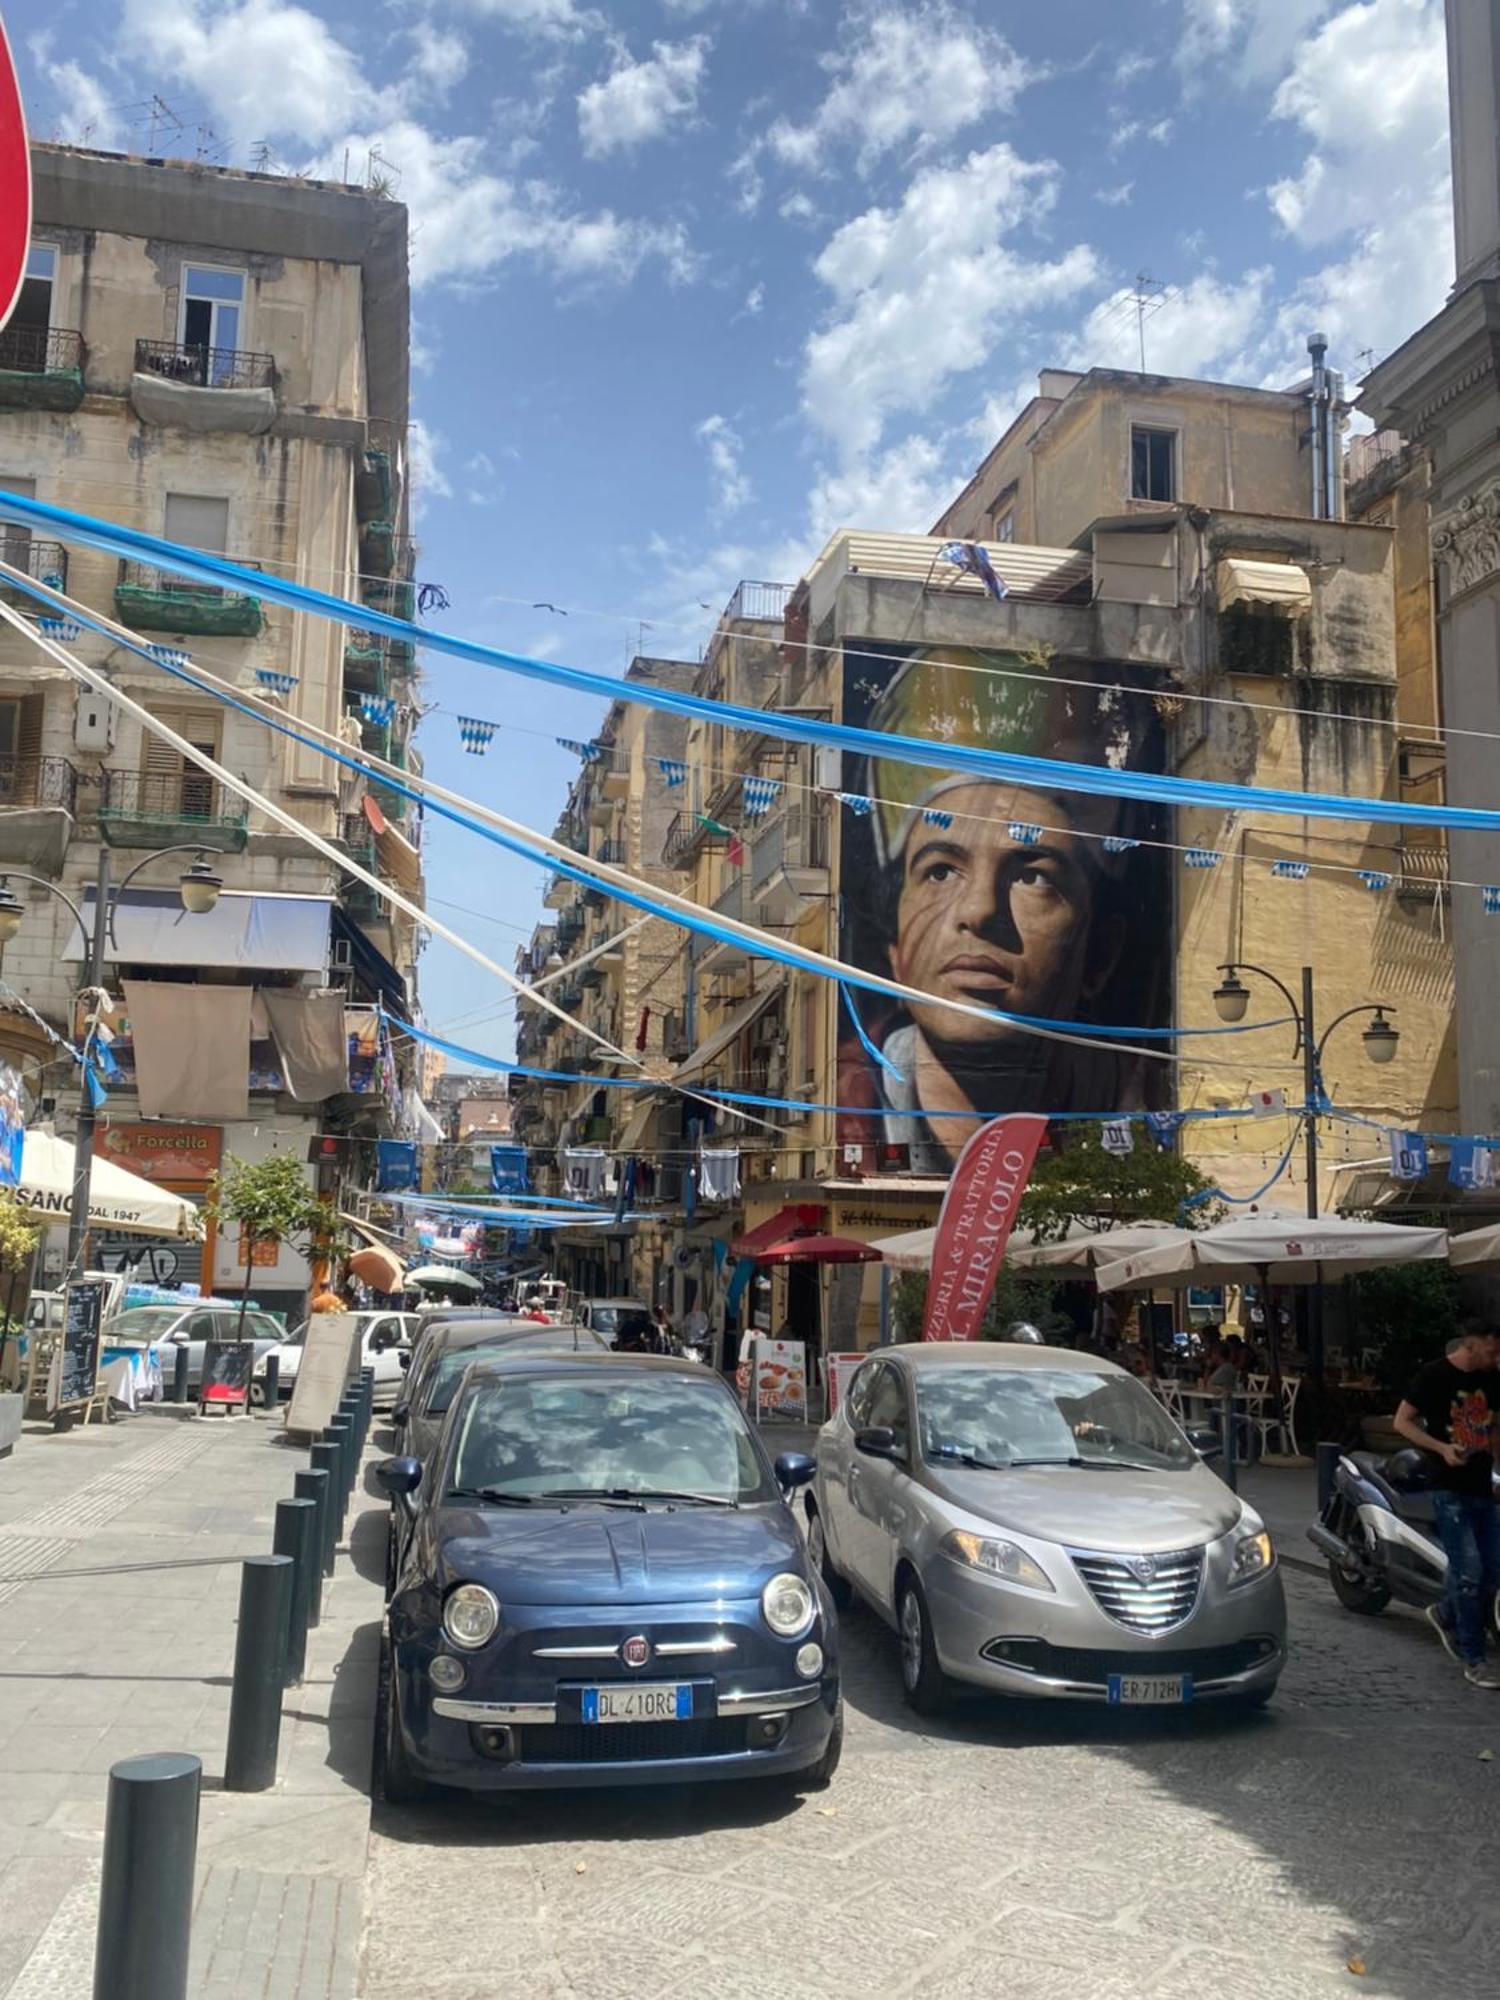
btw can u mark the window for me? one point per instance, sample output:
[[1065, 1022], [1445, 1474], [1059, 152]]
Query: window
[[1004, 529], [213, 306], [33, 309], [861, 1389], [15, 536], [198, 521], [171, 785], [887, 1407], [1153, 459]]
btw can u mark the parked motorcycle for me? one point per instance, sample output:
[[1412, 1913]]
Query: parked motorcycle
[[1379, 1533]]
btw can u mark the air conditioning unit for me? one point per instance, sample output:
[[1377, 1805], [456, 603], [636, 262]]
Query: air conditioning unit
[[94, 723]]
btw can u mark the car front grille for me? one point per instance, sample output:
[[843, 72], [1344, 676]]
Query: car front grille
[[1091, 1667], [629, 1742], [1143, 1593]]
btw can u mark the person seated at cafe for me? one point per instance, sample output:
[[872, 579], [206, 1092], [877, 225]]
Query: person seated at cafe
[[1221, 1371]]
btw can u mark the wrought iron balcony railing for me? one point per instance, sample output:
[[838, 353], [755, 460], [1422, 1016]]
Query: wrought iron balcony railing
[[38, 781], [205, 367], [145, 807], [46, 562], [156, 600], [40, 350]]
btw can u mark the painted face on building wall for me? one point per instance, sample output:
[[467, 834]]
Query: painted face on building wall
[[996, 919]]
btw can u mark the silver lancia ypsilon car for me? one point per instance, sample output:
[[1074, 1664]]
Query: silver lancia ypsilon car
[[1031, 1521]]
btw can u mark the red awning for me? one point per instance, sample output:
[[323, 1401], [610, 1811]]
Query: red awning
[[799, 1220], [818, 1250]]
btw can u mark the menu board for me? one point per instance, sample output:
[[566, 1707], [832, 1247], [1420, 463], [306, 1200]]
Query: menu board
[[781, 1379], [226, 1371], [841, 1370], [78, 1378]]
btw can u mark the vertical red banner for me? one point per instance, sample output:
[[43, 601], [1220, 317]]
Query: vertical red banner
[[15, 184], [974, 1226]]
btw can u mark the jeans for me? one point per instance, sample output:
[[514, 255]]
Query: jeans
[[1468, 1525]]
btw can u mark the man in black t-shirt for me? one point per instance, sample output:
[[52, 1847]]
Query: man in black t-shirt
[[1453, 1411]]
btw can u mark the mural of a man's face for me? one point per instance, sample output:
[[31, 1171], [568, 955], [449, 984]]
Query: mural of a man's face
[[991, 920]]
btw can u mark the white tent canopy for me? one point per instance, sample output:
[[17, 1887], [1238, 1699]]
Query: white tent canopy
[[1276, 1250], [117, 1199], [1476, 1249], [1083, 1251]]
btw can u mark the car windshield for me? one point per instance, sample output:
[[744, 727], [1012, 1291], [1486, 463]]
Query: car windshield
[[563, 1435], [1000, 1417], [615, 1322], [260, 1326], [449, 1369], [145, 1322]]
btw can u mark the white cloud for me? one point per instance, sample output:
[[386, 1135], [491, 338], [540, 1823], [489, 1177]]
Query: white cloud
[[755, 299], [639, 101], [1201, 328], [798, 207], [555, 18], [441, 58], [87, 115], [898, 491], [1252, 39], [468, 220], [430, 480], [907, 79], [1117, 196], [732, 488], [921, 290], [264, 69], [1370, 90]]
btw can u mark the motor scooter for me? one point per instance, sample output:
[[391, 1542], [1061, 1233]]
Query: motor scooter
[[1379, 1533]]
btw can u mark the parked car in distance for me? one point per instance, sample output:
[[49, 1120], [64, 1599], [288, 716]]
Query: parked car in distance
[[383, 1338], [190, 1325], [619, 1320], [603, 1584], [1031, 1521]]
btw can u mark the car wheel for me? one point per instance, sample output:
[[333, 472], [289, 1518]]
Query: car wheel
[[1355, 1593], [816, 1776], [838, 1587], [923, 1681], [258, 1392], [395, 1781]]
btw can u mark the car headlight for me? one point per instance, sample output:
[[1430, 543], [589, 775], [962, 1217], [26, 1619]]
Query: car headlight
[[788, 1605], [471, 1616], [995, 1558], [1253, 1556]]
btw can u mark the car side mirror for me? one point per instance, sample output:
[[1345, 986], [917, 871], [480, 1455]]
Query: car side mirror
[[399, 1476], [404, 1357], [1207, 1443], [876, 1441], [794, 1469]]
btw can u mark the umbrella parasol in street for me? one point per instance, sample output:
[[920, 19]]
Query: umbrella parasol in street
[[1277, 1250], [1476, 1249], [1083, 1250], [442, 1277], [818, 1250]]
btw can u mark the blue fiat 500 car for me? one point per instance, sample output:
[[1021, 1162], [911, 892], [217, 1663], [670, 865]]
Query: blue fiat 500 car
[[602, 1584]]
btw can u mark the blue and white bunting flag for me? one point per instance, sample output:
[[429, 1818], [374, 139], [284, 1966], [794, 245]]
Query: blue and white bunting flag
[[673, 772], [377, 708], [1408, 1155], [1490, 897], [759, 795], [1374, 880], [589, 752], [1289, 871], [933, 816], [1201, 857], [64, 630], [1118, 843], [1025, 833], [858, 804], [1471, 1163], [475, 734], [276, 679], [1115, 1136], [168, 656], [1165, 1125]]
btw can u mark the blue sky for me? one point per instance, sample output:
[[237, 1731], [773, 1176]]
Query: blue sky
[[699, 284]]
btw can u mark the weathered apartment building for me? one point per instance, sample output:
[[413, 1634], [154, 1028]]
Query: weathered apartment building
[[1174, 585], [220, 358]]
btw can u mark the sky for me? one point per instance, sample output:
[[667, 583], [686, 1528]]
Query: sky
[[698, 284]]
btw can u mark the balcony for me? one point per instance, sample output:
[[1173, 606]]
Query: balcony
[[158, 808], [396, 596], [683, 830], [789, 865], [757, 603], [384, 553], [46, 562], [38, 805], [156, 600], [1423, 876], [364, 663], [377, 482], [41, 369], [203, 388]]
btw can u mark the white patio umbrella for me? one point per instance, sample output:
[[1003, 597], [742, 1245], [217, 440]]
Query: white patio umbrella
[[443, 1277], [1476, 1249], [1277, 1250], [912, 1249], [117, 1199], [1082, 1251]]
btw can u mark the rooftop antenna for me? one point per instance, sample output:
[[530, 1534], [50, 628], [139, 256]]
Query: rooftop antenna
[[262, 158], [1148, 298], [161, 114]]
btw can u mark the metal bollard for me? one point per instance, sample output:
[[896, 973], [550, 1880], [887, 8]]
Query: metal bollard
[[341, 1431], [1328, 1456], [325, 1459], [314, 1486], [272, 1381], [259, 1673], [146, 1895], [296, 1532], [180, 1375]]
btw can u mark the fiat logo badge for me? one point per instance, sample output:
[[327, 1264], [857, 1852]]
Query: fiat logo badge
[[636, 1652]]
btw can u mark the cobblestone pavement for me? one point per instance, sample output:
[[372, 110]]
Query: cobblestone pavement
[[1031, 1853]]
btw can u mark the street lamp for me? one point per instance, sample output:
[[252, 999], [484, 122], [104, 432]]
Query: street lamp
[[1232, 998], [199, 887]]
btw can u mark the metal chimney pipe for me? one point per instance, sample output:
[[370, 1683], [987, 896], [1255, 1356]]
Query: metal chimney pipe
[[1317, 347]]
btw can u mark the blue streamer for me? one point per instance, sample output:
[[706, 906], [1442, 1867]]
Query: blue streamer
[[876, 1056], [1045, 773]]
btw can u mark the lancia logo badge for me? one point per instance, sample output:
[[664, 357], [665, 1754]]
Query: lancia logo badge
[[636, 1652], [1143, 1568]]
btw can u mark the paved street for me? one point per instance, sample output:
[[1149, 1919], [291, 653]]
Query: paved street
[[1037, 1854]]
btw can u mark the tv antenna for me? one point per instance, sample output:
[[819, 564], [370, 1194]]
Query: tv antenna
[[1148, 298]]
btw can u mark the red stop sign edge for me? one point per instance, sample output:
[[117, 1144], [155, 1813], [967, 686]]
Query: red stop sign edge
[[15, 183]]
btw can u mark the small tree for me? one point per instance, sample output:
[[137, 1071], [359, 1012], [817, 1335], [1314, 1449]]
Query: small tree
[[19, 1236], [1411, 1312], [269, 1201], [1082, 1183]]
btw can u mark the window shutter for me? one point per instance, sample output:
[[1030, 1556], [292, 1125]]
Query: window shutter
[[29, 729]]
